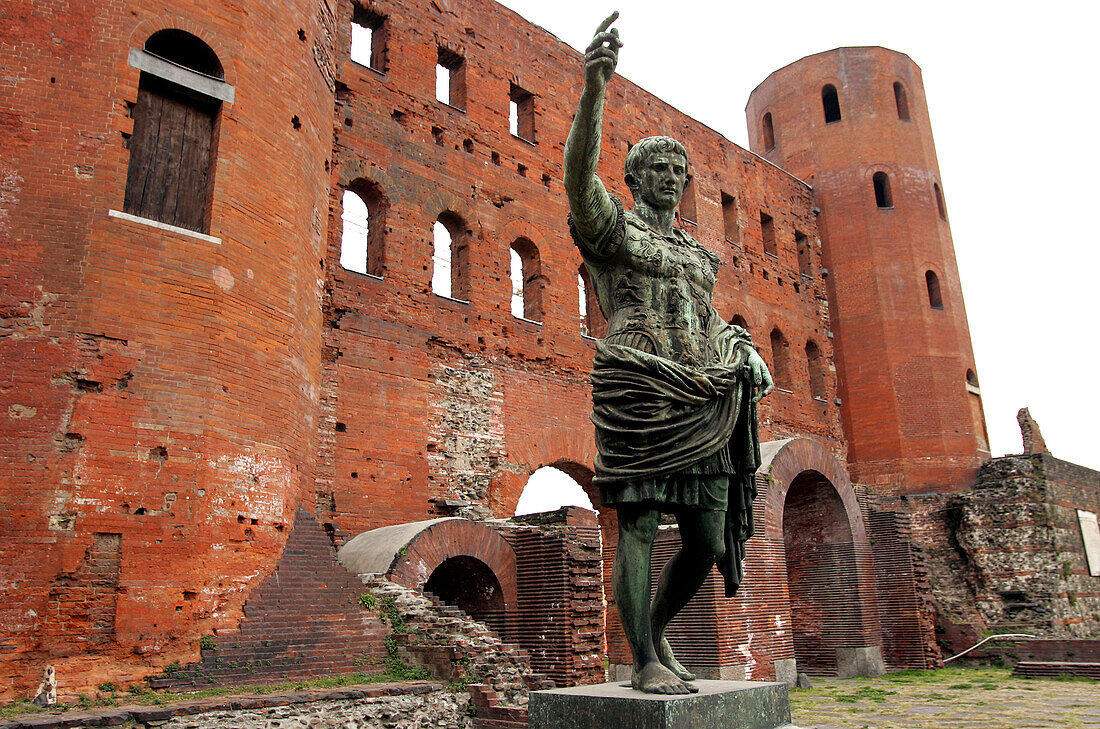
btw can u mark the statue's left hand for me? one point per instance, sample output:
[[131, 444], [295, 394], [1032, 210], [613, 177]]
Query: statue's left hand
[[759, 376]]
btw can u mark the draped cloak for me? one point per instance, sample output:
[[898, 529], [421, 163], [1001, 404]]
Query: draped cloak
[[657, 421]]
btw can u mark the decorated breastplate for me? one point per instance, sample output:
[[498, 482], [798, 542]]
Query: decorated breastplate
[[659, 289]]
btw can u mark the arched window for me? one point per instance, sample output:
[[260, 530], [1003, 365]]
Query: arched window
[[781, 362], [354, 242], [450, 258], [184, 49], [815, 363], [939, 200], [769, 132], [972, 379], [592, 322], [181, 88], [363, 224], [526, 276], [739, 320], [830, 102], [901, 101], [883, 196], [932, 281]]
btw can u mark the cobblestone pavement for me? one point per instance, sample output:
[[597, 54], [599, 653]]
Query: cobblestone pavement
[[952, 698]]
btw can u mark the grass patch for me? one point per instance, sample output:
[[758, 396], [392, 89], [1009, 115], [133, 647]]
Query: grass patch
[[867, 693], [141, 696]]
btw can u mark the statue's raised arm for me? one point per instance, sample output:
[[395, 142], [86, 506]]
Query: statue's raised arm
[[590, 205]]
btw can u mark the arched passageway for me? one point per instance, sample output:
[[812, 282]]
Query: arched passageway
[[552, 487], [822, 574], [468, 584]]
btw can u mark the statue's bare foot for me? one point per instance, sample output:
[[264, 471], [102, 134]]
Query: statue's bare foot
[[653, 678], [664, 653]]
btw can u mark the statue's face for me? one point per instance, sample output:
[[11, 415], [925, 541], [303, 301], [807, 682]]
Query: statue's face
[[662, 180]]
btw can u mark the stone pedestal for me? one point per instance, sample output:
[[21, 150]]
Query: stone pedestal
[[718, 705]]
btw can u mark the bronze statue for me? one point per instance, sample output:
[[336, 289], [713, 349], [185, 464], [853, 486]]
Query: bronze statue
[[674, 387]]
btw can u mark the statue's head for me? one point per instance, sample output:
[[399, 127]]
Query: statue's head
[[657, 172]]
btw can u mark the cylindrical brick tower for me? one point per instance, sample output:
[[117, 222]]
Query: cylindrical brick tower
[[163, 203], [853, 122]]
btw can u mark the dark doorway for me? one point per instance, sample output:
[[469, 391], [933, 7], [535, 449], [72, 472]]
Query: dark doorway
[[468, 584], [821, 574]]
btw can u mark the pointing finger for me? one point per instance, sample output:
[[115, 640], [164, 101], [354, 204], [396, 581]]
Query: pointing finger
[[608, 21]]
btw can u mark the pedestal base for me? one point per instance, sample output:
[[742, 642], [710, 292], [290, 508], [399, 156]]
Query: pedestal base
[[718, 705]]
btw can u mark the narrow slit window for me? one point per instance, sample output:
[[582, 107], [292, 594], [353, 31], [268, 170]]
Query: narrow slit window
[[901, 101], [940, 207], [526, 277], [815, 364], [582, 304], [830, 102], [450, 78], [170, 177], [688, 211], [521, 113], [729, 219], [592, 322], [883, 197], [450, 264], [368, 39], [441, 260], [935, 296], [781, 369], [767, 234], [768, 130], [805, 255]]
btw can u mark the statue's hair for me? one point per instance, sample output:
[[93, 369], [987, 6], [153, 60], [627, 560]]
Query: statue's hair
[[640, 153]]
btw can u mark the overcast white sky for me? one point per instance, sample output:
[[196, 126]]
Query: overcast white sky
[[1012, 93]]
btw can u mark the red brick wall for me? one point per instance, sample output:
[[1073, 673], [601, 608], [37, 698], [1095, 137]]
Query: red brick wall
[[901, 363], [904, 601], [559, 616], [188, 395], [475, 399], [156, 386], [302, 621]]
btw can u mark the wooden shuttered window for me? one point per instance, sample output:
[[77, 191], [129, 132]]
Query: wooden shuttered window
[[170, 178]]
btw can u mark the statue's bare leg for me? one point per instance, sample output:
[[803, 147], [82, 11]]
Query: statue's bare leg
[[637, 528], [702, 544]]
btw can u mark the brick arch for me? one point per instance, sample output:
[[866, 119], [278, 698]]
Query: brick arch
[[572, 448], [355, 169], [409, 553], [442, 201], [870, 170], [141, 32], [783, 461], [539, 236]]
